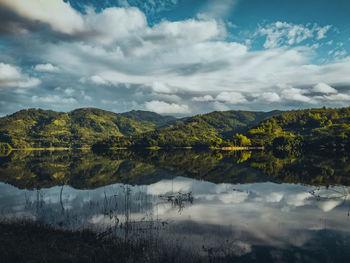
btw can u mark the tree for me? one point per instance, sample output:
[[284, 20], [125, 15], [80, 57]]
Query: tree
[[241, 140]]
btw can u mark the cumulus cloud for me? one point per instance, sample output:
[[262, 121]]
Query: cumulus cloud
[[11, 76], [323, 88], [46, 68], [231, 97], [294, 94], [58, 14], [270, 97], [128, 24], [113, 24], [162, 107], [203, 98]]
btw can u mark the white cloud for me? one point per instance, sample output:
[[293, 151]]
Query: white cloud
[[340, 53], [124, 25], [9, 72], [58, 14], [183, 61], [11, 76], [168, 108], [231, 97], [323, 88], [337, 97], [321, 31], [98, 80], [206, 68], [294, 94], [203, 98], [188, 31], [114, 24], [283, 33], [53, 99], [270, 97], [46, 68], [162, 87], [69, 91]]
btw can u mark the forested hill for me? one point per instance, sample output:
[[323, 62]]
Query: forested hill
[[150, 116], [79, 128], [313, 129], [201, 130], [291, 130]]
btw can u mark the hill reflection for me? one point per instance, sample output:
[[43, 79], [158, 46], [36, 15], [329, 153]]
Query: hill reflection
[[88, 170]]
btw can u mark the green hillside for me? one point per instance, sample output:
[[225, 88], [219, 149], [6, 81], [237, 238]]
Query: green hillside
[[286, 131], [153, 117], [79, 128], [313, 129], [201, 130]]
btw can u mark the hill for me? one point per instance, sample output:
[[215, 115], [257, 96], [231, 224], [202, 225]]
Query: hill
[[201, 131], [150, 116], [307, 130], [79, 128]]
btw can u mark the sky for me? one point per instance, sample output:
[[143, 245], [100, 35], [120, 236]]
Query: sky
[[174, 57]]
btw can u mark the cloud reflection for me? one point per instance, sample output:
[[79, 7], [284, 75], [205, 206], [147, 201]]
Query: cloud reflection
[[262, 213]]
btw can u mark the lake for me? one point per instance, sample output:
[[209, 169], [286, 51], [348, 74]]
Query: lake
[[253, 206]]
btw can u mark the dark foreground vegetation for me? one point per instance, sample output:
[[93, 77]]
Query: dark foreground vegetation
[[35, 242]]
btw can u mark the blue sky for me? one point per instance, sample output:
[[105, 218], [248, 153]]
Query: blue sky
[[178, 57]]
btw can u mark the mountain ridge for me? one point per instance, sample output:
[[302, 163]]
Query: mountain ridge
[[77, 128], [83, 127]]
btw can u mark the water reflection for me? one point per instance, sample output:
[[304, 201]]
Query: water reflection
[[211, 202], [269, 214], [86, 170]]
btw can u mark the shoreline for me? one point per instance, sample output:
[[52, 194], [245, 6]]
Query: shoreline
[[49, 149], [231, 148]]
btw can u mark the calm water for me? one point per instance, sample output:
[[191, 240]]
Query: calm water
[[254, 205]]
